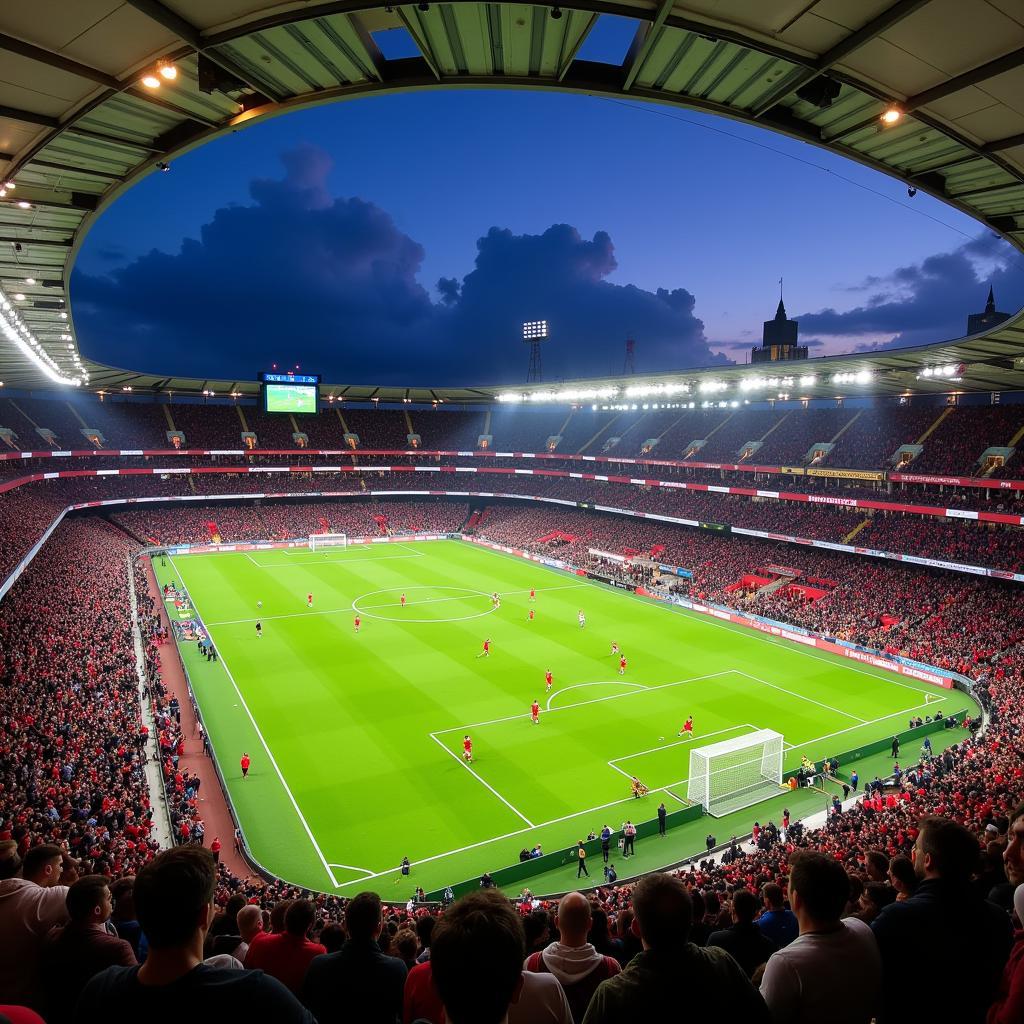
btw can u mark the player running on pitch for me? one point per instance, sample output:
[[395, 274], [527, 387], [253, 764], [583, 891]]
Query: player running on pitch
[[581, 618], [529, 618], [356, 623], [495, 600], [533, 593], [259, 629], [548, 680], [403, 600], [615, 649], [467, 750], [687, 728], [622, 664], [486, 652], [309, 600], [535, 712]]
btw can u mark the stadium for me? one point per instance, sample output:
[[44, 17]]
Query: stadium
[[323, 699]]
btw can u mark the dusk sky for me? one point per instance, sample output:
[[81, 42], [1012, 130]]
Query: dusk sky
[[404, 239]]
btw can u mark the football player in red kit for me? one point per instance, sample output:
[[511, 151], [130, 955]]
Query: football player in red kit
[[687, 727], [467, 749], [533, 594], [356, 623], [309, 600], [622, 664], [486, 652], [403, 600], [535, 712], [548, 679]]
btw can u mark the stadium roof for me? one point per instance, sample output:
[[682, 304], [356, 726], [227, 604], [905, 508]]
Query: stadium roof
[[78, 125]]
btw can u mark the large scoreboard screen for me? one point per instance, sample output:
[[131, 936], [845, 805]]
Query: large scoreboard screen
[[295, 393]]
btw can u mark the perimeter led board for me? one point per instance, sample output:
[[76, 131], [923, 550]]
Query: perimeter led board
[[297, 394]]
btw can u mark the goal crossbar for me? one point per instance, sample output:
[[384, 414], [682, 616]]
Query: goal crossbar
[[327, 540], [732, 774]]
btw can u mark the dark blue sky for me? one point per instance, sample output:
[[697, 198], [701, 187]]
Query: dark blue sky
[[321, 237]]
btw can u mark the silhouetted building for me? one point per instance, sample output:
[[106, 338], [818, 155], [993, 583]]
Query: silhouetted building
[[978, 322], [778, 342]]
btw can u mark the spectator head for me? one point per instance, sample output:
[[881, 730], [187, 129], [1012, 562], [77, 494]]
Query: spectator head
[[425, 929], [945, 849], [249, 921], [363, 917], [10, 862], [43, 864], [277, 915], [407, 945], [537, 927], [574, 918], [122, 893], [877, 866], [818, 889], [902, 876], [299, 918], [1013, 855], [876, 896], [745, 906], [174, 897], [663, 911], [332, 937], [771, 893], [477, 956], [88, 900]]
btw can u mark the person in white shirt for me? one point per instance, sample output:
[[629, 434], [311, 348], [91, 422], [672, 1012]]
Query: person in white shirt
[[833, 970], [29, 907]]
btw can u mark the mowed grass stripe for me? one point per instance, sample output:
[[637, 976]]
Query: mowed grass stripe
[[349, 717]]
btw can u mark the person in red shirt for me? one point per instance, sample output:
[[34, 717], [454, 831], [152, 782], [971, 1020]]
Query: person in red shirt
[[245, 762], [533, 594], [530, 616], [486, 652], [622, 664], [215, 849], [535, 712], [467, 749], [309, 600], [548, 680], [286, 955], [687, 726], [356, 623]]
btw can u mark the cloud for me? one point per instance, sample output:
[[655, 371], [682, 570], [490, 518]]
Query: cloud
[[924, 302], [302, 275]]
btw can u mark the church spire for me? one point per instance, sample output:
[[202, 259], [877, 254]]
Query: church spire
[[780, 313], [990, 306]]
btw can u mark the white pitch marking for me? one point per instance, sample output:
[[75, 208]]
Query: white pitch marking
[[576, 686], [873, 721], [688, 739], [484, 781], [351, 867], [596, 700], [270, 756], [800, 696]]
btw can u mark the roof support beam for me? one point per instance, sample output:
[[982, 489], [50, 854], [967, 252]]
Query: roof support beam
[[55, 60], [873, 29], [1008, 143], [1008, 62], [53, 243], [29, 117], [646, 37], [188, 33]]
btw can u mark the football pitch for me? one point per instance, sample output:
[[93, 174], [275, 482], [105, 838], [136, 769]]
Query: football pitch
[[356, 739]]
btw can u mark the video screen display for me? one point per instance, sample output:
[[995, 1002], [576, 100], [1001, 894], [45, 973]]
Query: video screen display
[[290, 398]]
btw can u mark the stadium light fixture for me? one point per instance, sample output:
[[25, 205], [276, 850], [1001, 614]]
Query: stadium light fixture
[[167, 70], [19, 296], [891, 115], [30, 280], [535, 330], [24, 204], [150, 81], [9, 185]]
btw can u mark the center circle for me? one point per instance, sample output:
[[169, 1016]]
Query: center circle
[[450, 604]]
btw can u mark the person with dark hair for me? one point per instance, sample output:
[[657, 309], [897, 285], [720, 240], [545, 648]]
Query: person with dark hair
[[744, 941], [778, 923], [29, 907], [802, 983], [671, 971], [476, 965], [174, 902], [877, 866], [81, 949], [966, 937], [902, 877], [123, 918], [359, 982], [287, 955], [1008, 1005]]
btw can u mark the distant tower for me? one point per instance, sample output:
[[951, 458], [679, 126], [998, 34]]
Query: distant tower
[[535, 332], [978, 322], [629, 364], [778, 342]]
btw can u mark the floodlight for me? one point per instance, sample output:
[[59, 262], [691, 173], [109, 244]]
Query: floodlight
[[891, 115]]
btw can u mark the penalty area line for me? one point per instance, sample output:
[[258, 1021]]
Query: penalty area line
[[515, 810]]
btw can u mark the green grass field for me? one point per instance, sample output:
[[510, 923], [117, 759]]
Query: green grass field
[[355, 739]]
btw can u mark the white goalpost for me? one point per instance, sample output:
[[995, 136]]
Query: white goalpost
[[328, 540], [733, 774]]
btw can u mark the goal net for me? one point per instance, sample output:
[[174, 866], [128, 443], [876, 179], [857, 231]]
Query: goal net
[[328, 540], [727, 776]]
